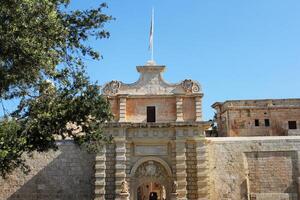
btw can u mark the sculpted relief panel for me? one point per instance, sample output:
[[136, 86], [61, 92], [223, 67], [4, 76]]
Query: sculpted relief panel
[[151, 169]]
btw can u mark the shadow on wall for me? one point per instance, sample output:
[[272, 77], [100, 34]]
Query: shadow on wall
[[62, 175]]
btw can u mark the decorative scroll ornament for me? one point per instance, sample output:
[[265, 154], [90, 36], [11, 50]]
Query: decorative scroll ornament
[[151, 169], [190, 86], [112, 87]]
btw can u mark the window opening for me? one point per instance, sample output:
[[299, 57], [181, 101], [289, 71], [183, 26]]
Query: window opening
[[292, 125], [150, 113], [267, 122], [256, 122]]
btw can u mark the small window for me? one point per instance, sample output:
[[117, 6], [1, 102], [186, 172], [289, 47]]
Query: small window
[[150, 113], [256, 122], [267, 122], [292, 125]]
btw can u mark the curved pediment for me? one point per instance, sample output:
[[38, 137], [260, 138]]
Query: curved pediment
[[151, 83]]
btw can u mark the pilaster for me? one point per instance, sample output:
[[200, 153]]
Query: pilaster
[[122, 107], [100, 174], [181, 167], [120, 175], [202, 170], [198, 102], [179, 109]]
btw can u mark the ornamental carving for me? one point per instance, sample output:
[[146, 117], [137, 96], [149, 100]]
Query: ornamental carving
[[112, 87], [174, 187], [190, 86], [124, 187], [151, 169]]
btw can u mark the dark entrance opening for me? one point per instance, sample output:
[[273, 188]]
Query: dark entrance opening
[[150, 113]]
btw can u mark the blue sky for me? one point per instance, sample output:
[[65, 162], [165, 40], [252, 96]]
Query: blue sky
[[236, 49]]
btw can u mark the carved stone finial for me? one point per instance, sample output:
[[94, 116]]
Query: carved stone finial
[[112, 87], [190, 86], [174, 187], [124, 187]]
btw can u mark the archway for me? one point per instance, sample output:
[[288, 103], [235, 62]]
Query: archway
[[150, 176], [151, 190]]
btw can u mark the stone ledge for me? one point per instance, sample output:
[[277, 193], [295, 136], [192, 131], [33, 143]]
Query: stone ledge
[[156, 124], [247, 139]]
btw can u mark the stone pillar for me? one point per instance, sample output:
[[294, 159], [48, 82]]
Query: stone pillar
[[120, 175], [181, 173], [100, 175], [179, 110], [202, 170], [198, 102], [122, 107]]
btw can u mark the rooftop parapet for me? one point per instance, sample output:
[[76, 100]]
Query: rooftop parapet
[[151, 82]]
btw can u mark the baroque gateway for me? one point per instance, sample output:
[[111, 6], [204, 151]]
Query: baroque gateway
[[158, 133], [160, 150]]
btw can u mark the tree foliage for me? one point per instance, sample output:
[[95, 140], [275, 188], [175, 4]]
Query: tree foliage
[[43, 45]]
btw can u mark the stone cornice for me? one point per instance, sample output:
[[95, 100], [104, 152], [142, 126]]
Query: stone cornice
[[156, 96], [157, 125]]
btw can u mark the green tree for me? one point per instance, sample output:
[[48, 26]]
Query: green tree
[[43, 45]]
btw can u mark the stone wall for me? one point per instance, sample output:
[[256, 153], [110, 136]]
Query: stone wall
[[64, 174], [254, 168], [242, 122], [135, 109], [165, 109], [189, 109]]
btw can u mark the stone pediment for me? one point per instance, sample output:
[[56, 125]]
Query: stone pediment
[[151, 82]]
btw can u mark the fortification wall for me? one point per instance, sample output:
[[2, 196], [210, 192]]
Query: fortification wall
[[266, 168], [64, 174], [239, 168]]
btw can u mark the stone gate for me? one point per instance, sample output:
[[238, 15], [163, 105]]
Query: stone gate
[[158, 146]]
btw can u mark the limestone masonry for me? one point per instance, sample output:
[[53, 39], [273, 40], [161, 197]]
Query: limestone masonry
[[268, 117], [160, 149]]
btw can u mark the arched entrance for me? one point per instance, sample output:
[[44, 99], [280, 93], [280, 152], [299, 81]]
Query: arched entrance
[[150, 177], [151, 190]]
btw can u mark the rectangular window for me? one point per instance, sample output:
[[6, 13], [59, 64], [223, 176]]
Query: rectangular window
[[256, 122], [292, 125], [150, 113], [267, 122]]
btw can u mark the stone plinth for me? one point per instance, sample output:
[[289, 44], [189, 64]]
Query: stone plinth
[[173, 196], [122, 196]]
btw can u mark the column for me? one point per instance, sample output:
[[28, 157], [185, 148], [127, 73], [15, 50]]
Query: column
[[100, 174], [202, 171], [122, 192], [179, 110], [198, 102], [181, 169], [122, 107]]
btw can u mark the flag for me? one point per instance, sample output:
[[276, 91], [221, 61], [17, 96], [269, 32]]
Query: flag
[[151, 31]]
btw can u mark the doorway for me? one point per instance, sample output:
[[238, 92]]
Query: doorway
[[151, 191]]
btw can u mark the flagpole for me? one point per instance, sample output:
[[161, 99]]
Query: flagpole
[[152, 52]]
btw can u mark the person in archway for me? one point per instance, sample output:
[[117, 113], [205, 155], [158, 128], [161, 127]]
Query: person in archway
[[153, 196]]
